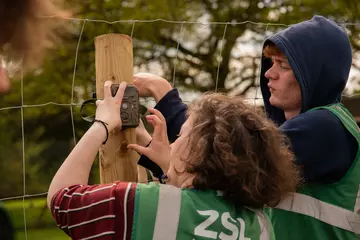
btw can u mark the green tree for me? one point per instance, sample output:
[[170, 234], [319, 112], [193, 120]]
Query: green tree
[[195, 57]]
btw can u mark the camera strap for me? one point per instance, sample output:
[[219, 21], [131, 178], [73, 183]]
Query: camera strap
[[90, 118]]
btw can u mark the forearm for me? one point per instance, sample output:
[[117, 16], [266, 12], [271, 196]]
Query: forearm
[[143, 138], [159, 90], [77, 166], [174, 111]]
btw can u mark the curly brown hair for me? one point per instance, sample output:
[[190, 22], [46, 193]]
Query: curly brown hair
[[237, 150], [25, 33]]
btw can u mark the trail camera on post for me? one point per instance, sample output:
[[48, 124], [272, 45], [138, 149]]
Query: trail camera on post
[[114, 61]]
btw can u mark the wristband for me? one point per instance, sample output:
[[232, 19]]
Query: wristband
[[107, 131]]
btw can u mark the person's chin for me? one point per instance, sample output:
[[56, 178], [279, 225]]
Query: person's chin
[[273, 101]]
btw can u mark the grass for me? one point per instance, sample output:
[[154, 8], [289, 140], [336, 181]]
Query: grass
[[37, 214], [42, 234], [39, 223], [16, 204]]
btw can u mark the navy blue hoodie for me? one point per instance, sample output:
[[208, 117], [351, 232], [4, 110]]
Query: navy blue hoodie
[[320, 56]]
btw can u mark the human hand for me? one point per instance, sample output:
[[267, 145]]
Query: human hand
[[108, 109], [142, 135], [159, 149], [151, 85]]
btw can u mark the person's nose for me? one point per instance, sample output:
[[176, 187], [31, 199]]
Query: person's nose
[[271, 73]]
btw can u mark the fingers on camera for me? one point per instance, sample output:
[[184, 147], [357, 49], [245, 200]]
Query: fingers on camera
[[120, 91], [98, 102], [107, 89]]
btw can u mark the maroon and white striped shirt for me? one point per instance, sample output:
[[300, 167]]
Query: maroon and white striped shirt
[[95, 212]]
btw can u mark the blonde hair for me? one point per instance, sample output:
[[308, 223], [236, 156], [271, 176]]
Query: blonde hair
[[25, 33]]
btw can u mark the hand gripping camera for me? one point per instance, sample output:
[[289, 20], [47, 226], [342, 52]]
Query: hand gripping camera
[[129, 112]]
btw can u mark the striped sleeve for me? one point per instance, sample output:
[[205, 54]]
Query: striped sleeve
[[95, 212]]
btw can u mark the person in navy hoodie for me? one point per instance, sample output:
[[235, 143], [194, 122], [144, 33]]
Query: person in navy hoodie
[[304, 70]]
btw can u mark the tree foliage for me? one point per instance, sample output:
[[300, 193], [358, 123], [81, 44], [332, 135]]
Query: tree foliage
[[195, 57]]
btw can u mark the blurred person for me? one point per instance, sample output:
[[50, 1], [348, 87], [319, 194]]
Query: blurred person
[[24, 37], [25, 33]]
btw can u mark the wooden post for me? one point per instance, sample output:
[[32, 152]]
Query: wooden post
[[114, 61]]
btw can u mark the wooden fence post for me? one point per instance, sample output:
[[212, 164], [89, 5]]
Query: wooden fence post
[[114, 61]]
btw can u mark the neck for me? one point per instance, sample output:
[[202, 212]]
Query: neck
[[188, 183], [291, 114], [183, 181]]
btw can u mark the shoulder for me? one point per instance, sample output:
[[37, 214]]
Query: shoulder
[[157, 192], [322, 145], [314, 120], [102, 205], [319, 126]]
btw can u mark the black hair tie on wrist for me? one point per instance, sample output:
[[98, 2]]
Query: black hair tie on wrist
[[107, 131], [164, 179]]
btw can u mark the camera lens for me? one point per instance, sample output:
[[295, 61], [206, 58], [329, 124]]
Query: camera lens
[[124, 106], [124, 116]]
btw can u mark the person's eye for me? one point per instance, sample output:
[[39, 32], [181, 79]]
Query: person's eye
[[276, 61], [284, 65]]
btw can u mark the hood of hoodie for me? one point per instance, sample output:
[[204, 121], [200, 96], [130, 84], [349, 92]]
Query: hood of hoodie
[[319, 53]]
